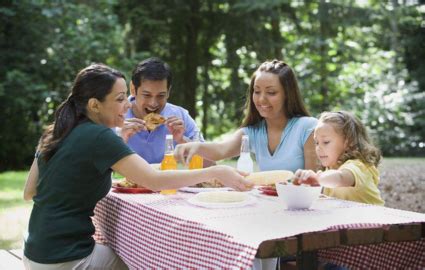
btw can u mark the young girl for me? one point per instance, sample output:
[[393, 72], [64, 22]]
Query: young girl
[[350, 159]]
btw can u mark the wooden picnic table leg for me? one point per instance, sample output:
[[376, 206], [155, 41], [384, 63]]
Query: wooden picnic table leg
[[306, 256], [310, 243], [307, 260]]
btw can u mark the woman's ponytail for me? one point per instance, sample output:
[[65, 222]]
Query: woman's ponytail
[[66, 118]]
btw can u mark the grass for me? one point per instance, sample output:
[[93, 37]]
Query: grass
[[15, 212]]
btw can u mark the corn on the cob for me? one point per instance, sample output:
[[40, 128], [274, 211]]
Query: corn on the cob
[[269, 177]]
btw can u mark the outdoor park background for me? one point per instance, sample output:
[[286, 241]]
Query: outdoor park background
[[364, 56]]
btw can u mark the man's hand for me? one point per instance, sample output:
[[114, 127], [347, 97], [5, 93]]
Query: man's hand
[[176, 127], [131, 127]]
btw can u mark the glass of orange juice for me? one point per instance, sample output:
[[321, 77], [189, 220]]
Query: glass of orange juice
[[196, 162]]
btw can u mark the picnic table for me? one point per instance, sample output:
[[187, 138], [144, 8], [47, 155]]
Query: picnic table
[[160, 231]]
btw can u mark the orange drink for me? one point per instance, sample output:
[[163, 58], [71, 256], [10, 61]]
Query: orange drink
[[168, 163], [168, 191], [196, 162]]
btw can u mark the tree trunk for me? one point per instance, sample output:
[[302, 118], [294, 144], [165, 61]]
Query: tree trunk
[[205, 99], [191, 59], [276, 36], [323, 55], [395, 44]]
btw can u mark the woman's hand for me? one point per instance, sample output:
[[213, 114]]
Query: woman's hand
[[231, 177], [184, 151], [307, 177], [131, 127]]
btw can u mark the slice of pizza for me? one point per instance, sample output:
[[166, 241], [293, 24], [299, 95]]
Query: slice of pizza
[[153, 120]]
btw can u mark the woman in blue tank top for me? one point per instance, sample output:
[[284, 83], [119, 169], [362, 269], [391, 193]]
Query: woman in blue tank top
[[277, 123], [278, 126]]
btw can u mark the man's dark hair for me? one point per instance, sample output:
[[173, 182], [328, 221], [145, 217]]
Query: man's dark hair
[[151, 69]]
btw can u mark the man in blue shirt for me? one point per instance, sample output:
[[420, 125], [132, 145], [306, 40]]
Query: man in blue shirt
[[150, 88]]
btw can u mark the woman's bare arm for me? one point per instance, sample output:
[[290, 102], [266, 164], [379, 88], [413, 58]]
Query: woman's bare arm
[[228, 148], [30, 189], [214, 151], [136, 169]]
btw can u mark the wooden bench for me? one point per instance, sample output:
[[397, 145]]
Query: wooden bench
[[11, 259]]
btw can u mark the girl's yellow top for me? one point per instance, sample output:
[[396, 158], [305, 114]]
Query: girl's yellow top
[[365, 189]]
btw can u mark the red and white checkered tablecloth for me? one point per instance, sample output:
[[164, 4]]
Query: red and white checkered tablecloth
[[147, 238], [389, 255], [157, 231]]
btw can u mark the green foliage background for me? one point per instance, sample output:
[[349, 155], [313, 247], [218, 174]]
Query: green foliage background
[[363, 56]]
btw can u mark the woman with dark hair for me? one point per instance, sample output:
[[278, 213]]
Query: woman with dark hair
[[277, 124], [72, 172]]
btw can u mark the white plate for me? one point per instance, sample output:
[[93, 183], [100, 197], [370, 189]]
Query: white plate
[[249, 200], [200, 189]]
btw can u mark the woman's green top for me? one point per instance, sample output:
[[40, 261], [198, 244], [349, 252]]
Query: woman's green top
[[69, 185]]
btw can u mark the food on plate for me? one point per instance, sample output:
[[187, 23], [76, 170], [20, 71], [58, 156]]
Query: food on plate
[[266, 181], [221, 197], [268, 190], [153, 120], [125, 184], [270, 178], [210, 184], [271, 189]]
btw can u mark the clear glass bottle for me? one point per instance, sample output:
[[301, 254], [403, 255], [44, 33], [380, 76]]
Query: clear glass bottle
[[196, 162], [245, 162], [169, 162]]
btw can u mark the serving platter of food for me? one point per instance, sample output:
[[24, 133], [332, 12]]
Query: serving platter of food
[[213, 185], [126, 186], [265, 182], [200, 189], [222, 199]]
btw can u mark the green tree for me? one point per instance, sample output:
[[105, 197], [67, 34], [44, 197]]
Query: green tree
[[43, 45]]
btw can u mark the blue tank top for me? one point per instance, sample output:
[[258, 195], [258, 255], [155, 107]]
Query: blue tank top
[[289, 154]]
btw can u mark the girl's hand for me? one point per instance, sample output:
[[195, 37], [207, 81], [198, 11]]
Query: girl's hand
[[184, 151], [307, 177], [231, 177], [131, 127]]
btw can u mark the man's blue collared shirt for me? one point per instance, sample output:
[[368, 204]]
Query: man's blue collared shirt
[[151, 145]]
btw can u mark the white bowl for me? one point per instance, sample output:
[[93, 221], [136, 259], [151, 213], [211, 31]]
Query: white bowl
[[297, 197]]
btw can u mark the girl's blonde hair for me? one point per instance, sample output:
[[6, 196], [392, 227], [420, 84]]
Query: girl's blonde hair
[[359, 146]]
